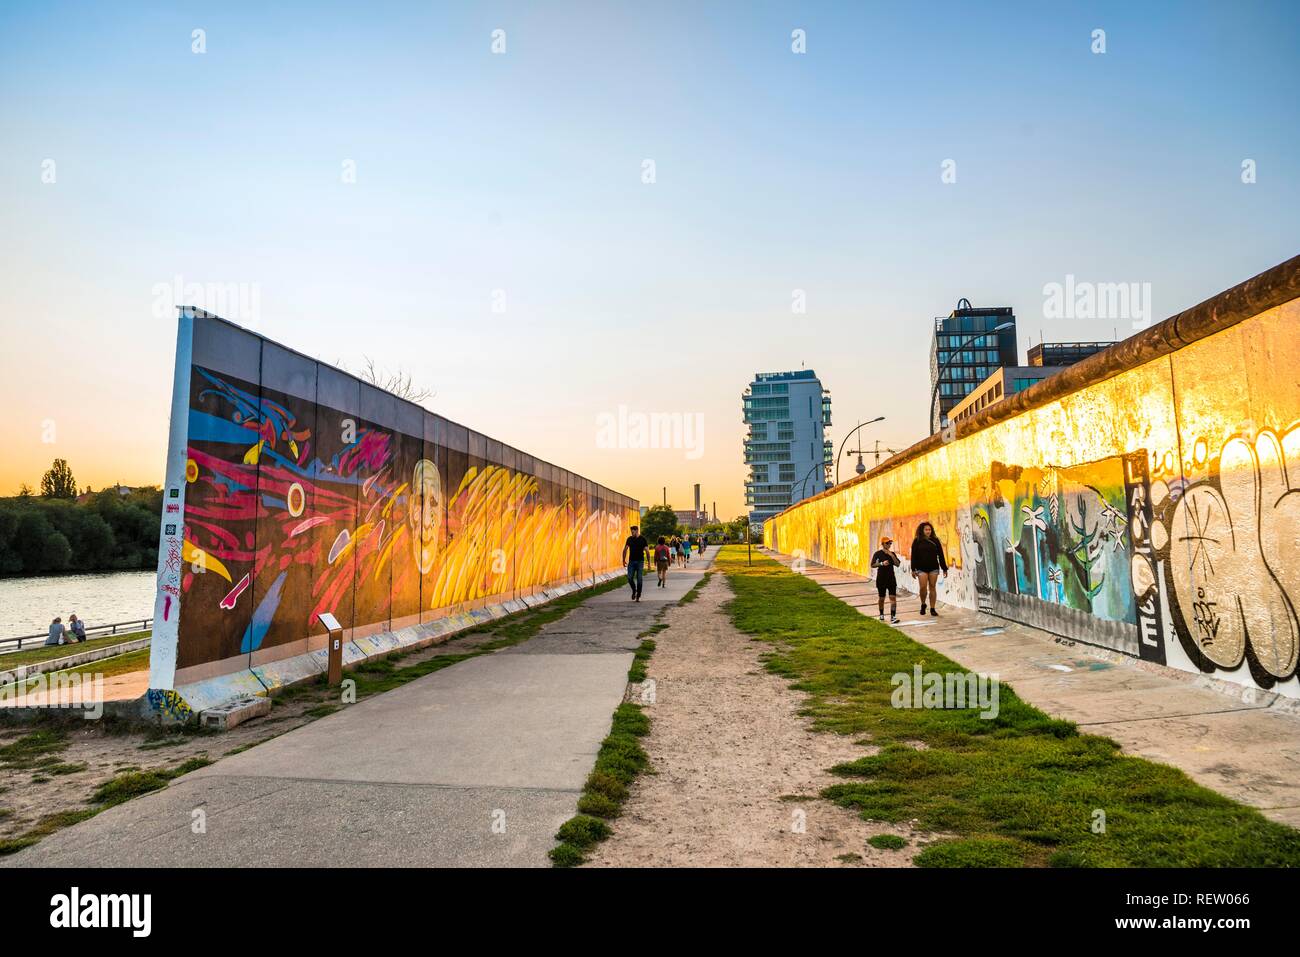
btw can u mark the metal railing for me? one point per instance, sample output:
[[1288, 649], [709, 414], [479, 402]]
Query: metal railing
[[95, 631]]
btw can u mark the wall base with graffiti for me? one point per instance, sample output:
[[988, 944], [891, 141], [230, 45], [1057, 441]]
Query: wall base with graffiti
[[297, 494], [1148, 503]]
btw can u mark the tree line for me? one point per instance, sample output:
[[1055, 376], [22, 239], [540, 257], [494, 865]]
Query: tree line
[[61, 531], [662, 520]]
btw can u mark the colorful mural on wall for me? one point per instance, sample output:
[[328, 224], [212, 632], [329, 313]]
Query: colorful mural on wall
[[305, 491], [1155, 512]]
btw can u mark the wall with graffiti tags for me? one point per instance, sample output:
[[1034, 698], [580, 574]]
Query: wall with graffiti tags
[[1155, 511], [295, 489]]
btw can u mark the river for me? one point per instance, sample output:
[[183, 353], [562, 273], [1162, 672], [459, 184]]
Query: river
[[27, 605]]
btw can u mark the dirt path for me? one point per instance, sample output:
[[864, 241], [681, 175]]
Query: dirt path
[[736, 769]]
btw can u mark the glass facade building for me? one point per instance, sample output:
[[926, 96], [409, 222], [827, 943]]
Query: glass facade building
[[1064, 353], [966, 357], [786, 448]]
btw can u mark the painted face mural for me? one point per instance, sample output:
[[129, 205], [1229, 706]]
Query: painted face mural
[[294, 508], [426, 517]]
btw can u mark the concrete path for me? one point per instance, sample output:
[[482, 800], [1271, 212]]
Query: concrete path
[[1243, 744], [474, 765]]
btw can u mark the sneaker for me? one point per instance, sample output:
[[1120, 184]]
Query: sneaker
[[894, 620], [933, 613], [882, 616], [923, 608]]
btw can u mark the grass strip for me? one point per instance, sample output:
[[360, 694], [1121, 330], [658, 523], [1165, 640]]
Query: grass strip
[[1019, 789], [619, 760]]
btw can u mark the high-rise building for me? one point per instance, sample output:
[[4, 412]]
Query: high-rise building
[[966, 356], [786, 448]]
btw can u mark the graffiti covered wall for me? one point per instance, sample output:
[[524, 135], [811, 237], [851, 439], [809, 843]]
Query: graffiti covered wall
[[295, 489], [1155, 512]]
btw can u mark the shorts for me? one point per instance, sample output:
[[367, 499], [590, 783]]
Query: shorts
[[890, 587], [662, 564]]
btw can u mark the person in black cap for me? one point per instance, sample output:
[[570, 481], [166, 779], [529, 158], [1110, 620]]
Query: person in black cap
[[634, 558], [884, 562]]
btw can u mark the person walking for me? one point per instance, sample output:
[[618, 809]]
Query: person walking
[[634, 558], [663, 556], [76, 628], [678, 552], [884, 562], [56, 633], [927, 560]]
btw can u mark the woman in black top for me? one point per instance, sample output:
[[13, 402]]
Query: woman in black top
[[927, 560]]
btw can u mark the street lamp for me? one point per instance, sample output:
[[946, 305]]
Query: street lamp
[[934, 396], [802, 482], [879, 418]]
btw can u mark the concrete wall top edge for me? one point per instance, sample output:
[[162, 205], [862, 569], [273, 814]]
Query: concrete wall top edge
[[242, 352], [1268, 290]]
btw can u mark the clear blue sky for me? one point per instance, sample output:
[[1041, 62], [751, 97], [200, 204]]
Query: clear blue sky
[[522, 172]]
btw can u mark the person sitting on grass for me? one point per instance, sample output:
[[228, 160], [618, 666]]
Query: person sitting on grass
[[56, 633], [76, 629]]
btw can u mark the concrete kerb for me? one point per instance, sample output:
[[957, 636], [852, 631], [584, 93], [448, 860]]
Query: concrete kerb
[[264, 680]]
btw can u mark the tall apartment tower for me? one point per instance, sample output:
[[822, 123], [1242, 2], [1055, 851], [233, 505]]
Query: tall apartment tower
[[786, 448], [966, 357]]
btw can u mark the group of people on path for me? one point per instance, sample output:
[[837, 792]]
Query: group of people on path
[[61, 634], [666, 550], [928, 561]]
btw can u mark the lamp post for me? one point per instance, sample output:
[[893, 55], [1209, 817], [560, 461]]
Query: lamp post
[[934, 396], [879, 418], [803, 481]]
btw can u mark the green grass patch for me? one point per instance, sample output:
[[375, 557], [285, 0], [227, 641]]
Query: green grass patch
[[64, 768], [620, 759], [1019, 789], [887, 842], [44, 827], [41, 653], [637, 673], [125, 664], [976, 852], [32, 750], [129, 784], [694, 593]]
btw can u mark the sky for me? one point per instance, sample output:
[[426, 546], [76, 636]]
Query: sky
[[374, 181]]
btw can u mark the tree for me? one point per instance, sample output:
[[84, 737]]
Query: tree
[[24, 491], [659, 520], [58, 481], [29, 539], [399, 383], [56, 553]]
